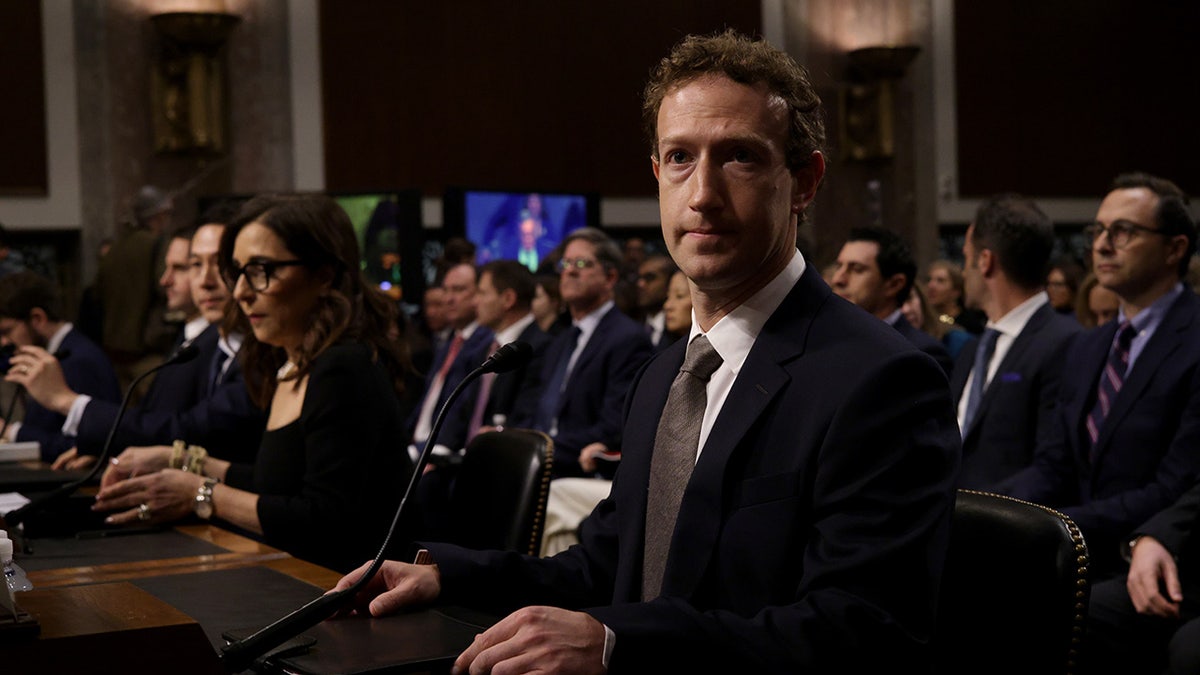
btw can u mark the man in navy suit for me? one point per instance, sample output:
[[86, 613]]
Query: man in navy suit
[[875, 270], [31, 317], [811, 533], [1124, 441], [213, 408], [1006, 384], [589, 366], [451, 364]]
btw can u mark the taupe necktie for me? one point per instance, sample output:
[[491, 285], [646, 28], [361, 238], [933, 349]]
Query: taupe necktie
[[675, 446]]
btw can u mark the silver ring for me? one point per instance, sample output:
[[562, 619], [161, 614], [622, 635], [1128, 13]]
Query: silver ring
[[143, 511]]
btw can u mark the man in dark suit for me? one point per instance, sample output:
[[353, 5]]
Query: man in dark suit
[[31, 317], [451, 364], [875, 270], [1123, 444], [810, 535], [506, 289], [653, 279], [213, 408], [1006, 383], [589, 366]]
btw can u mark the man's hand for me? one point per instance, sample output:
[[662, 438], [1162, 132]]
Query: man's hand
[[587, 456], [1151, 565], [71, 460], [395, 586], [541, 639], [41, 374]]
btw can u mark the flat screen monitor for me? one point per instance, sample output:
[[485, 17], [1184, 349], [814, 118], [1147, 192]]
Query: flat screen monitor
[[388, 225], [521, 226]]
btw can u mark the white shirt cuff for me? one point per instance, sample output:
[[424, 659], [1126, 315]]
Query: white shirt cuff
[[11, 432], [75, 415], [610, 641]]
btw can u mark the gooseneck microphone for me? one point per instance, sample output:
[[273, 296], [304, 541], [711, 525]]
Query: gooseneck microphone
[[240, 655], [17, 516]]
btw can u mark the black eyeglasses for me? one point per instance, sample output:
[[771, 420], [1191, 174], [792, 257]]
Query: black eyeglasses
[[258, 273], [1120, 232]]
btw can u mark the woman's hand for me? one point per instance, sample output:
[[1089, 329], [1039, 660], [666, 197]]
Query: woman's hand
[[135, 461], [160, 497], [71, 460]]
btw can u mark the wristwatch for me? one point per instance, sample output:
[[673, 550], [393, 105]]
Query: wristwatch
[[204, 500]]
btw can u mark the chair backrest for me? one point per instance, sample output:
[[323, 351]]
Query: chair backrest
[[499, 496], [1015, 591]]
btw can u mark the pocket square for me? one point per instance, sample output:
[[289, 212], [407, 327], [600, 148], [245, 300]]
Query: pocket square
[[1010, 377]]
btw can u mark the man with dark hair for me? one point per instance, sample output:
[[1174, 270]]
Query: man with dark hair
[[203, 401], [456, 360], [784, 497], [1123, 445], [653, 278], [590, 365], [503, 300], [1006, 382], [875, 270], [31, 316]]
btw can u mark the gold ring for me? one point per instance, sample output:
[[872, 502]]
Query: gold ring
[[143, 511]]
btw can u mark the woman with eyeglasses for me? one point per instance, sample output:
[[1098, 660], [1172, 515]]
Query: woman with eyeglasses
[[318, 357]]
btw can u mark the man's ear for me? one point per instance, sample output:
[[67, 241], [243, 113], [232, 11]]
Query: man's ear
[[38, 319], [894, 285], [805, 181], [986, 262], [508, 298]]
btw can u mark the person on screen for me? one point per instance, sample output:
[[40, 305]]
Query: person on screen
[[817, 446]]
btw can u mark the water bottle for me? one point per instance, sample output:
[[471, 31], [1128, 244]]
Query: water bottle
[[14, 576]]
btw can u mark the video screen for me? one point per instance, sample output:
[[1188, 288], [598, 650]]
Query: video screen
[[388, 225], [522, 226]]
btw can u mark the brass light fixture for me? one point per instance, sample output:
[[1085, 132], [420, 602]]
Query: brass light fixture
[[188, 82], [868, 100]]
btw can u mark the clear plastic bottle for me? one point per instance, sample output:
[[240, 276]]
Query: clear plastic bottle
[[14, 576]]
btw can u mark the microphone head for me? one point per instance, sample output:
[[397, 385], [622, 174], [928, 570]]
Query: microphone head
[[509, 357], [186, 353]]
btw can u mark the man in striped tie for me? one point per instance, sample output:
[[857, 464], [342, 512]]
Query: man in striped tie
[[1126, 443]]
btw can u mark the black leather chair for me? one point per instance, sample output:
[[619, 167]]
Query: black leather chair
[[1015, 590], [499, 496]]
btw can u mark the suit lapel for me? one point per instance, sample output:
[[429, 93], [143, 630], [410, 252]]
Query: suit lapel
[[1012, 360], [760, 380], [1166, 340]]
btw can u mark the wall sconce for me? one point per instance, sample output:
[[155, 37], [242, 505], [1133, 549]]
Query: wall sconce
[[868, 101], [187, 83]]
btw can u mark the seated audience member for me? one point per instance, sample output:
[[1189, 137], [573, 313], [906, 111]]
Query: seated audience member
[[589, 367], [875, 270], [176, 285], [1149, 619], [203, 401], [1123, 445], [654, 275], [1062, 284], [31, 317], [505, 292], [944, 291], [1096, 305], [465, 352], [678, 307], [431, 332], [817, 446], [547, 306], [1006, 382], [918, 313], [318, 356]]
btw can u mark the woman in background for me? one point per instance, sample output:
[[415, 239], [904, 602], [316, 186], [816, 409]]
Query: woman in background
[[918, 313], [1095, 305], [677, 310], [1062, 284], [944, 292], [547, 305], [317, 355]]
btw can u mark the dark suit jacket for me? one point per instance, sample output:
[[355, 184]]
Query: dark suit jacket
[[589, 410], [87, 371], [226, 422], [1018, 405], [470, 357], [514, 394], [183, 385], [812, 534], [926, 343], [1146, 456]]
